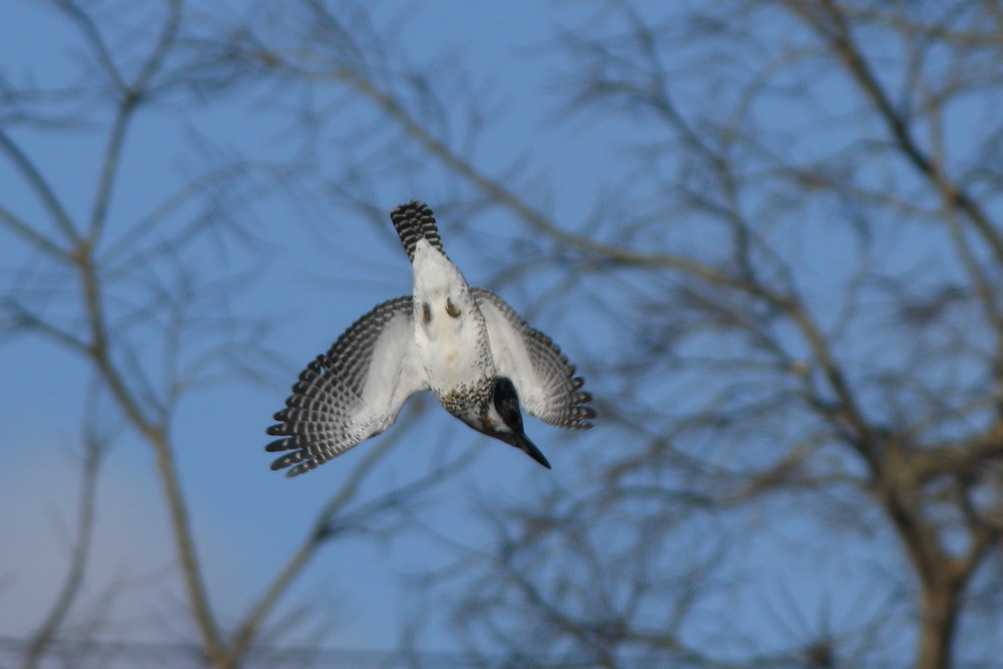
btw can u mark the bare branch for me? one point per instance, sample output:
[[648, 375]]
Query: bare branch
[[332, 519], [132, 94], [38, 241], [39, 185], [840, 37]]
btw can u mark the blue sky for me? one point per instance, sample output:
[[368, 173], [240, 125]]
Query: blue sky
[[311, 264], [312, 280]]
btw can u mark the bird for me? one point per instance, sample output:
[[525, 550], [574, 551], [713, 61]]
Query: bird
[[480, 359]]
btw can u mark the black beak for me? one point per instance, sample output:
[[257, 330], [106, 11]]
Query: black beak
[[522, 442]]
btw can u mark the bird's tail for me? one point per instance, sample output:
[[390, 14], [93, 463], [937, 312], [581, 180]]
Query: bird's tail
[[415, 221]]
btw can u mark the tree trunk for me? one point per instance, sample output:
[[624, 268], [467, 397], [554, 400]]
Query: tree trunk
[[939, 608]]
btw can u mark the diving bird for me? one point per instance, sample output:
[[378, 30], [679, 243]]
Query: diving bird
[[467, 345]]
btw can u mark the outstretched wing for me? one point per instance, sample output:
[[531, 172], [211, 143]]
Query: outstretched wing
[[543, 377], [352, 392]]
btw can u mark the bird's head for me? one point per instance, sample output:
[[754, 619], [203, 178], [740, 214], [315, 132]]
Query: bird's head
[[505, 403]]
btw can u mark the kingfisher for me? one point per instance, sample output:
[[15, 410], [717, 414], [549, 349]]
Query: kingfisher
[[479, 358]]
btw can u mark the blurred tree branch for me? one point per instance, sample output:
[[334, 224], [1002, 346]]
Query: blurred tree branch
[[798, 274], [883, 428], [99, 259]]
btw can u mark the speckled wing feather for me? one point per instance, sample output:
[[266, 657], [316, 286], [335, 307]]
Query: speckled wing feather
[[414, 221], [543, 377], [352, 392]]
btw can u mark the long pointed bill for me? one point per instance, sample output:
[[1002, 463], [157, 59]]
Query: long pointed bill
[[523, 443]]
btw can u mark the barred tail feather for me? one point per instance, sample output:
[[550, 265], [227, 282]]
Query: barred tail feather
[[414, 221]]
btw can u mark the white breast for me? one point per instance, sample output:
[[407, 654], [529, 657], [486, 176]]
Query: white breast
[[449, 329]]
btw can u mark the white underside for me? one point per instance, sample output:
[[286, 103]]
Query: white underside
[[452, 349]]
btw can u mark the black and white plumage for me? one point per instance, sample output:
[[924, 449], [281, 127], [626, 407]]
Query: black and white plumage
[[467, 345]]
